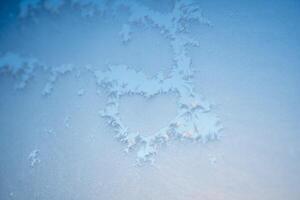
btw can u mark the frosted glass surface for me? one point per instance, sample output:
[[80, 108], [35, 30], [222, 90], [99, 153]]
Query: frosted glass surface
[[174, 99]]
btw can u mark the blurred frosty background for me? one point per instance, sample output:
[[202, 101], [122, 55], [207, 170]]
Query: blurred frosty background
[[55, 145]]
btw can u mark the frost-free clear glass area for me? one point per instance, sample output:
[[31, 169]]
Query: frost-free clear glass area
[[173, 99]]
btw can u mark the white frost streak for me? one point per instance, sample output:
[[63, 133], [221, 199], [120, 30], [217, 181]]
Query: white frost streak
[[194, 121], [22, 68], [19, 66]]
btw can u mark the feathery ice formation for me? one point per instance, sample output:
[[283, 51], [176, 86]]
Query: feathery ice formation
[[194, 120]]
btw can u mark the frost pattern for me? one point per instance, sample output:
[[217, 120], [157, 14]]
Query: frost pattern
[[34, 158], [194, 121], [19, 66], [55, 73]]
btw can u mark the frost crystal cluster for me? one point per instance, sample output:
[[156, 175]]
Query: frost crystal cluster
[[194, 119]]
